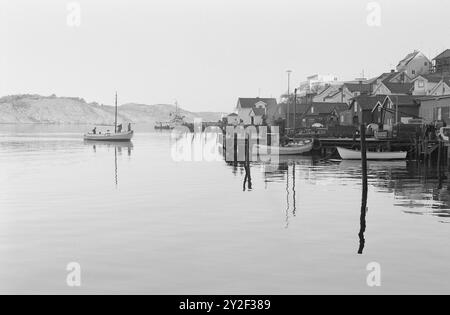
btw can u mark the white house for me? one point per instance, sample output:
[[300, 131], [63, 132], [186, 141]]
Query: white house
[[233, 119], [415, 64], [251, 110], [431, 84]]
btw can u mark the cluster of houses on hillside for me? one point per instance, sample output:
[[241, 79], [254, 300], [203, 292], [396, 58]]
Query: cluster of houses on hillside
[[417, 90]]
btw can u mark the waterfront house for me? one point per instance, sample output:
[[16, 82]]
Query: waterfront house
[[233, 119], [325, 113], [415, 64], [395, 109], [246, 107], [360, 110], [442, 62], [257, 116], [435, 108]]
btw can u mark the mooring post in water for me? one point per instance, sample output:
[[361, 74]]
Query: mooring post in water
[[362, 230]]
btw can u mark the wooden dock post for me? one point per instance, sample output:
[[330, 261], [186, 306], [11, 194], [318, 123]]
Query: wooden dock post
[[362, 230]]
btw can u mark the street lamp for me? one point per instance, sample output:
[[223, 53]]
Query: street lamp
[[288, 95]]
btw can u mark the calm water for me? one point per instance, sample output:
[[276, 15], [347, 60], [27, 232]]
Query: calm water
[[138, 222]]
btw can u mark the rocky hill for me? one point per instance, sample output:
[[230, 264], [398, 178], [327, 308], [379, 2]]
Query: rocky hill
[[33, 109]]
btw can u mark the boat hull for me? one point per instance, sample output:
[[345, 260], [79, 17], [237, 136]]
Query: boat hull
[[347, 154], [123, 136], [288, 150]]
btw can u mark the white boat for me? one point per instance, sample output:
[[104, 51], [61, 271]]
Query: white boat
[[122, 136], [290, 149], [347, 154], [111, 136]]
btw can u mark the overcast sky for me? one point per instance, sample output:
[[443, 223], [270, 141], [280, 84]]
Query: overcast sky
[[205, 53]]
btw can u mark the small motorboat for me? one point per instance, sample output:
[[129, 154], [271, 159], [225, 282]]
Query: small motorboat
[[108, 136], [293, 148], [347, 154]]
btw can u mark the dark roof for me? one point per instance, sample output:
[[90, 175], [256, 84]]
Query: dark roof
[[251, 102], [321, 108], [436, 78], [356, 87], [367, 102], [399, 88], [403, 100], [385, 77], [408, 58], [232, 114], [445, 54], [431, 98], [259, 111]]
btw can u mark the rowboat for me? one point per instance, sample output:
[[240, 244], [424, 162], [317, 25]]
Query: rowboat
[[294, 148], [122, 136], [347, 154]]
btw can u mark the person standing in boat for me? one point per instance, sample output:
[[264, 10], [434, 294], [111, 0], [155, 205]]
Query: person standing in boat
[[94, 131], [129, 127], [119, 128]]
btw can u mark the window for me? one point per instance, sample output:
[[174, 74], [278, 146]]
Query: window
[[439, 115], [356, 108], [414, 72], [312, 110], [421, 83], [426, 63], [342, 118]]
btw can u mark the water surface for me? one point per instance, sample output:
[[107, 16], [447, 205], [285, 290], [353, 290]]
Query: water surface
[[139, 222]]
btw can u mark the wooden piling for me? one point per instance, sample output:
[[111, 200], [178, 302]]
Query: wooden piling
[[362, 230]]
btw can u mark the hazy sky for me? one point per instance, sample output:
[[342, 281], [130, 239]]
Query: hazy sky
[[204, 53]]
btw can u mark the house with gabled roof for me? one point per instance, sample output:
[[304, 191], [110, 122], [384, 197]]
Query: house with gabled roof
[[386, 88], [395, 109], [435, 108], [360, 110], [414, 64], [249, 109], [233, 119], [428, 84], [442, 62], [325, 113]]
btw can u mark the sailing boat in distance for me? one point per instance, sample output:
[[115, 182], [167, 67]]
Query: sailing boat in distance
[[118, 135]]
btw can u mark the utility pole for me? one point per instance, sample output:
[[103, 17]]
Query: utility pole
[[288, 99], [295, 107]]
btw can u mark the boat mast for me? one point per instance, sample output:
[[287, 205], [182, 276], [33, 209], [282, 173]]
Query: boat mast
[[115, 117]]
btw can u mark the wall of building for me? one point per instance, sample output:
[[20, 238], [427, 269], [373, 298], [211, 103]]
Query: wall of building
[[429, 110], [244, 115]]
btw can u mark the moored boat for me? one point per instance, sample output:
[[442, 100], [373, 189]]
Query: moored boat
[[347, 154], [294, 148]]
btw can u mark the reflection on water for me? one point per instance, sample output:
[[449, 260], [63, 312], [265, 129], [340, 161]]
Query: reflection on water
[[138, 221], [117, 146]]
